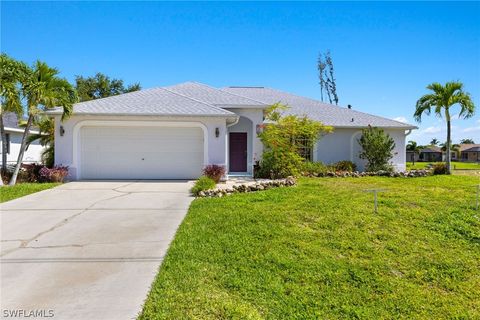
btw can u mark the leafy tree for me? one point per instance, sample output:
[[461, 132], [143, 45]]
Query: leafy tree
[[42, 89], [327, 78], [101, 86], [284, 138], [434, 142], [442, 99], [12, 74], [377, 148], [412, 146], [467, 141]]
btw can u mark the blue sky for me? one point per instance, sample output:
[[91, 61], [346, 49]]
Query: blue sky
[[384, 53]]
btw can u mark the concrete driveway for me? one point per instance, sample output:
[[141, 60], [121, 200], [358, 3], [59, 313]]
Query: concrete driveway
[[87, 250]]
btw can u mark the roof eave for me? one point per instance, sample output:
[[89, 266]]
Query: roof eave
[[366, 126], [21, 130]]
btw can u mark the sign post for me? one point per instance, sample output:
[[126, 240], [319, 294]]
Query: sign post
[[375, 202]]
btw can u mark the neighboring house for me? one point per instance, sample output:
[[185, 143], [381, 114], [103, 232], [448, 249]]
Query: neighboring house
[[466, 152], [412, 156], [14, 138], [470, 152], [430, 154], [173, 132]]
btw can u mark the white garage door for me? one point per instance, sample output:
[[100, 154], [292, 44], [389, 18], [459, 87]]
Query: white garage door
[[141, 152]]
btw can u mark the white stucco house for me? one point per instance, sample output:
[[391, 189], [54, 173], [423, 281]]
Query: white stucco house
[[173, 132], [14, 135]]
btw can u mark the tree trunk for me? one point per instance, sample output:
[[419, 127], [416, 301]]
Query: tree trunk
[[23, 146], [448, 146], [4, 149]]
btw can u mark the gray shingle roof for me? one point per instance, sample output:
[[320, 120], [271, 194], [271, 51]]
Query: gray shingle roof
[[431, 149], [196, 99], [156, 101], [326, 113], [473, 149], [211, 95], [10, 120]]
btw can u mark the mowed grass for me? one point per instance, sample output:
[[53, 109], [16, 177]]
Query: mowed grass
[[455, 165], [8, 193], [317, 251]]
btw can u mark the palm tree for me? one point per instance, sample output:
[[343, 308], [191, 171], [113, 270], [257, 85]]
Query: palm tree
[[434, 142], [42, 90], [412, 146], [453, 148], [441, 100], [11, 75], [46, 136]]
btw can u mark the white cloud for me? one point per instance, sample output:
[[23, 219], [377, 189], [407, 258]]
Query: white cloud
[[401, 119], [471, 129], [432, 130]]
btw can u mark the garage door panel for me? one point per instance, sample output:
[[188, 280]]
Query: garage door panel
[[141, 152]]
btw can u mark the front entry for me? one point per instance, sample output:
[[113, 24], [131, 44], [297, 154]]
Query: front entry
[[238, 152]]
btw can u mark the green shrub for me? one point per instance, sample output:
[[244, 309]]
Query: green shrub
[[377, 149], [203, 183], [285, 139], [314, 168], [279, 163], [345, 165], [440, 168]]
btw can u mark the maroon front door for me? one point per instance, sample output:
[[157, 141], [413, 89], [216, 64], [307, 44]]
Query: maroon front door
[[238, 152]]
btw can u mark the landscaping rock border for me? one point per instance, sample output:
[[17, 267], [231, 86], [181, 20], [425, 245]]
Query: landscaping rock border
[[244, 187], [357, 174]]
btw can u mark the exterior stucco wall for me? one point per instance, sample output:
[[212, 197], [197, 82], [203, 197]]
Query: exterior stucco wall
[[65, 145], [342, 144], [32, 154], [249, 119]]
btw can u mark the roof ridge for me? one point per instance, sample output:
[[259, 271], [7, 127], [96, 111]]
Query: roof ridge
[[193, 99], [231, 93], [238, 95], [120, 94]]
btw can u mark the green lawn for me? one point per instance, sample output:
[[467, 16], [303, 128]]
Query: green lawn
[[318, 251], [455, 165], [22, 189]]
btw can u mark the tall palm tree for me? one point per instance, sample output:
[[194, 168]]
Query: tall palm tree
[[43, 90], [11, 76], [441, 100], [415, 148], [434, 142]]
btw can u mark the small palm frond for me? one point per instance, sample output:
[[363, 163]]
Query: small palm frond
[[46, 133], [467, 108], [424, 105], [45, 90]]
